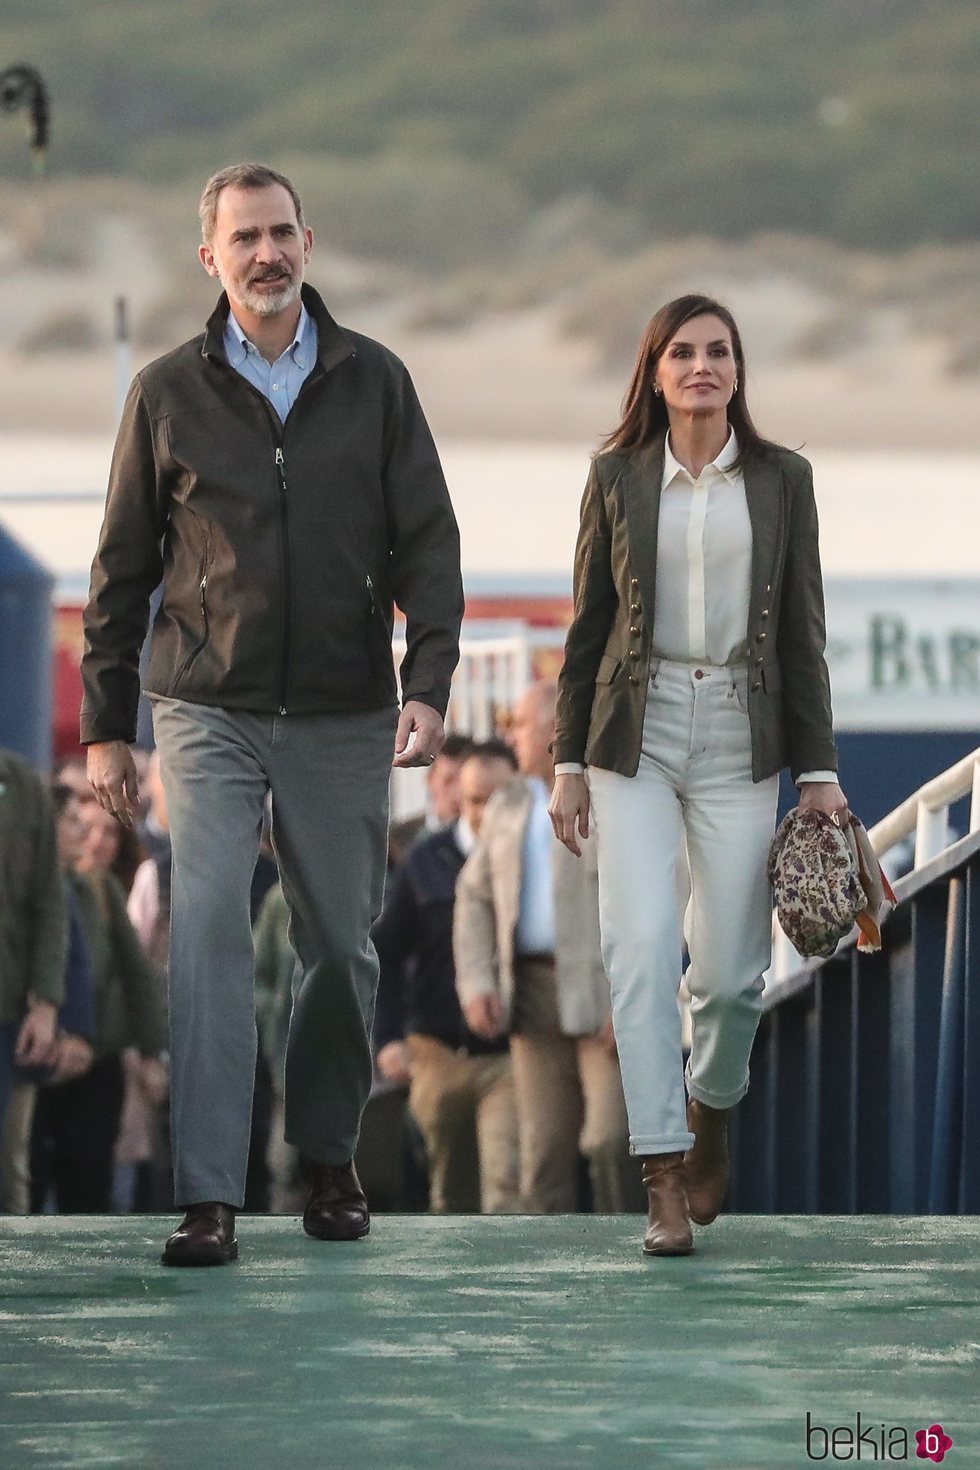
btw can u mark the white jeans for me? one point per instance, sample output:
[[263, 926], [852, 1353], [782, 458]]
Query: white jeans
[[694, 781]]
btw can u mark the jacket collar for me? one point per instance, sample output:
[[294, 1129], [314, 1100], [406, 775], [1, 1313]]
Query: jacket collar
[[333, 346], [641, 481]]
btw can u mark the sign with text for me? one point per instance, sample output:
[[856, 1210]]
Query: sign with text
[[904, 654]]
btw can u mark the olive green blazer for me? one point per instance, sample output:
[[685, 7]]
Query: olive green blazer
[[603, 685]]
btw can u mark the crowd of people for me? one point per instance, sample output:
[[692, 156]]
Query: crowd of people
[[492, 1017]]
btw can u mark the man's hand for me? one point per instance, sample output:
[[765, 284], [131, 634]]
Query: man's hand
[[569, 809], [826, 797], [112, 775], [485, 1016], [36, 1043], [429, 735], [393, 1063], [75, 1057]]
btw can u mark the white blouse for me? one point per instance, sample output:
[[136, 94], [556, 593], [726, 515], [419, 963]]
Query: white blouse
[[704, 562]]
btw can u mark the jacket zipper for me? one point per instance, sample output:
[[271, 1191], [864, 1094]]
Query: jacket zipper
[[277, 429], [286, 578]]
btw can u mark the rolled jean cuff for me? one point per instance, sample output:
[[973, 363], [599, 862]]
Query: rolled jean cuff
[[643, 1144], [718, 1100]]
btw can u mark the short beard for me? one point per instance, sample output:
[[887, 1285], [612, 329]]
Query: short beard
[[267, 303]]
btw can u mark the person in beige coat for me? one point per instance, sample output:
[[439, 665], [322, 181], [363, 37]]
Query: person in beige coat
[[528, 963]]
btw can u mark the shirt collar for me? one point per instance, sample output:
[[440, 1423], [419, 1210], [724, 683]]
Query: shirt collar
[[722, 462], [238, 346], [465, 836]]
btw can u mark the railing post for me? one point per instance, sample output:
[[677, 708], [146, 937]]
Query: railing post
[[931, 832]]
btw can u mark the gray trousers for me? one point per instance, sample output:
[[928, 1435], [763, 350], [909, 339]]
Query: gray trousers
[[328, 776]]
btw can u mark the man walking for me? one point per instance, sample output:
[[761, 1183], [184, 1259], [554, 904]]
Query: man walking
[[461, 1093], [278, 476]]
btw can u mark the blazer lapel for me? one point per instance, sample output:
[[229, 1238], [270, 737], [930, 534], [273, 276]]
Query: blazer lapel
[[763, 495], [640, 484]]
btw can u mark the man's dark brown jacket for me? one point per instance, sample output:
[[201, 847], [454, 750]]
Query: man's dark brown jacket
[[281, 547], [603, 684]]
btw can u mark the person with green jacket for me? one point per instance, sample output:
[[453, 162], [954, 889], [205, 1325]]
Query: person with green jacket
[[76, 1123], [694, 671], [33, 924]]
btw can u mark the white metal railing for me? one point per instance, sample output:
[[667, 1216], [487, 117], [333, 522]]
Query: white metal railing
[[926, 814], [492, 673]]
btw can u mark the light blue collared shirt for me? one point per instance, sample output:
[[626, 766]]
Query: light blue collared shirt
[[536, 915], [279, 381]]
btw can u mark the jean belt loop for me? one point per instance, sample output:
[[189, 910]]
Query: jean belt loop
[[654, 670]]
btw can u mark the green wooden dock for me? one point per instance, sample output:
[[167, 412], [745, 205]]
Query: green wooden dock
[[485, 1344]]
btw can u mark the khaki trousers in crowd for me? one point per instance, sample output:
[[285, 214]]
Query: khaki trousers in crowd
[[569, 1101], [466, 1110]]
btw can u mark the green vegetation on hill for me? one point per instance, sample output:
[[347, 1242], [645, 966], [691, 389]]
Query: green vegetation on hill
[[853, 120]]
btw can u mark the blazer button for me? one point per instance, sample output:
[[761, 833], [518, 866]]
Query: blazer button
[[634, 679], [635, 608], [758, 663], [634, 632], [764, 613], [760, 637], [756, 686], [635, 653]]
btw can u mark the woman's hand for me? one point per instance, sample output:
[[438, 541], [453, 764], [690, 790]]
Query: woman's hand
[[569, 810], [826, 797]]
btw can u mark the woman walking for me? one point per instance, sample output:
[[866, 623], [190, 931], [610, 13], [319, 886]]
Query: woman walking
[[694, 671]]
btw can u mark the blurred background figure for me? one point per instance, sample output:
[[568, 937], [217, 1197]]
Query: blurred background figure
[[526, 939], [442, 799], [76, 1120], [460, 1086], [277, 971], [33, 925]]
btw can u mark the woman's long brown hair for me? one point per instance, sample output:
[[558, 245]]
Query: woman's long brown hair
[[645, 413]]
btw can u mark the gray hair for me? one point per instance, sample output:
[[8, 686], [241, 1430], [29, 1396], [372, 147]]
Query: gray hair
[[241, 176]]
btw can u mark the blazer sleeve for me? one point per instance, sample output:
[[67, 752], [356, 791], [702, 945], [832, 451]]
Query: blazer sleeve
[[594, 608], [475, 927], [807, 716], [48, 907]]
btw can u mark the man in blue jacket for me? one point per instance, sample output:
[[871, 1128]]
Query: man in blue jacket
[[461, 1093]]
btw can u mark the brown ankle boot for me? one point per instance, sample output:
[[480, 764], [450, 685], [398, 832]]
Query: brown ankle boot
[[706, 1163], [669, 1230]]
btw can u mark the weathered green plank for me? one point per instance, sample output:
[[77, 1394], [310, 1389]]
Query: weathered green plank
[[479, 1342]]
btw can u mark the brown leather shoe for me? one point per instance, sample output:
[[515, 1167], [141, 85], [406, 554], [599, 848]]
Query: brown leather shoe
[[336, 1208], [669, 1230], [205, 1237], [707, 1162]]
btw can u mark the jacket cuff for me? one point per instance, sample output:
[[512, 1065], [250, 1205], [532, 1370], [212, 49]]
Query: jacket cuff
[[815, 776], [94, 728], [569, 768]]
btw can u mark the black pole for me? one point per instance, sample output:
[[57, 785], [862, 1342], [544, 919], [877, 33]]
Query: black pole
[[23, 86]]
